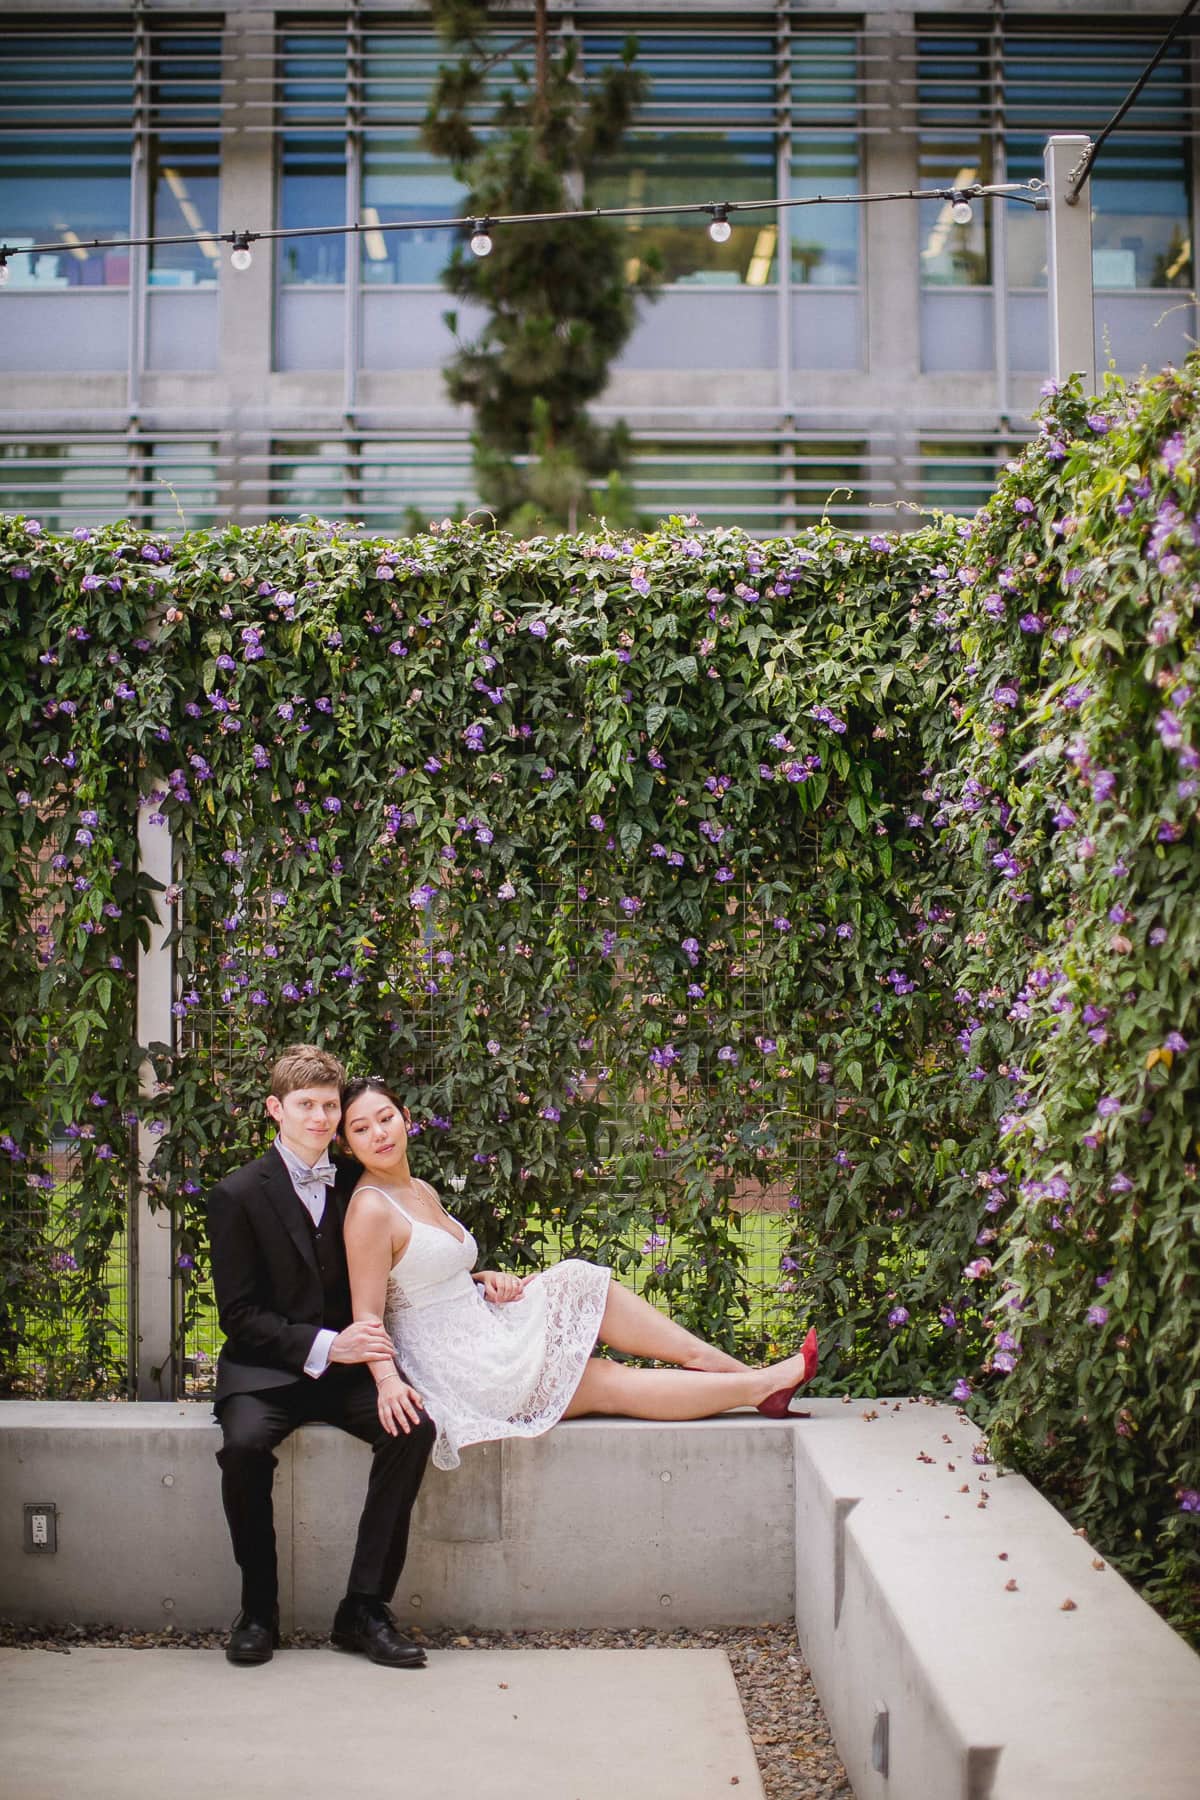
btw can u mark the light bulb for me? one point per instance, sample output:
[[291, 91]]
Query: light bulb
[[481, 243], [241, 257], [961, 211], [720, 231], [4, 271]]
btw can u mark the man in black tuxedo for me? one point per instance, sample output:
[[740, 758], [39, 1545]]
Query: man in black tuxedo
[[292, 1354]]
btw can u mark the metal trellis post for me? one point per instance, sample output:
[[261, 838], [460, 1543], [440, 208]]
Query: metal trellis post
[[1072, 297], [153, 1237]]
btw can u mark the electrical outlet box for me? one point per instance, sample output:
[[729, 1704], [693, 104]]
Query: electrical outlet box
[[41, 1527]]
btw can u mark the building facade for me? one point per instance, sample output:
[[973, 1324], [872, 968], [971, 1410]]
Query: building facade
[[860, 361]]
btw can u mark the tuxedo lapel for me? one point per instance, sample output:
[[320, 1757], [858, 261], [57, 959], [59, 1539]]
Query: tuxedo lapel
[[280, 1193]]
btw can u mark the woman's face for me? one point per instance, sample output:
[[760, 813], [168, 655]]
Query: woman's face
[[374, 1130]]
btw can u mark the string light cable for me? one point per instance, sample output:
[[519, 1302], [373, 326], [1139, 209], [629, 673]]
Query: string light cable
[[1083, 167], [478, 230]]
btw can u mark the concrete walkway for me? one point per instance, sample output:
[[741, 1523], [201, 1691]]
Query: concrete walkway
[[477, 1725]]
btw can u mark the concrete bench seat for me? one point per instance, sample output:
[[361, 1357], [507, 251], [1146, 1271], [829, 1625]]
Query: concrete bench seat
[[941, 1682]]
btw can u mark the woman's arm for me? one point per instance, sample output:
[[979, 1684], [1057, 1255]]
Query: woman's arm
[[373, 1244]]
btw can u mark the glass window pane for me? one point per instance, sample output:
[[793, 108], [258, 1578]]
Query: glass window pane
[[825, 239], [1140, 190], [723, 483], [955, 255], [674, 166], [402, 181], [312, 191], [312, 73], [309, 476], [185, 183], [955, 94], [85, 78], [414, 480], [64, 485], [713, 77], [958, 477], [61, 190], [179, 486]]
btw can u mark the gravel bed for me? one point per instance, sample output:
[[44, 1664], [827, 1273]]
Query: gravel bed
[[796, 1754]]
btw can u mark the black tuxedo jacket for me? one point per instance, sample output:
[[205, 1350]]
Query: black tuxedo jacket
[[264, 1265]]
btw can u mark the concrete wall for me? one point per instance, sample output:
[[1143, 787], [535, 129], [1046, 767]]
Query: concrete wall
[[603, 1522]]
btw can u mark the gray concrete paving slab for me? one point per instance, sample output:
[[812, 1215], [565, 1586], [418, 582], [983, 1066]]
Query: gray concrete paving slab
[[116, 1724]]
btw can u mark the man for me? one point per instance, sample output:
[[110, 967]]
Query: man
[[292, 1354]]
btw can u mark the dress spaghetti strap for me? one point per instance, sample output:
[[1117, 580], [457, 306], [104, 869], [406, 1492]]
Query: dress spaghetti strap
[[369, 1187]]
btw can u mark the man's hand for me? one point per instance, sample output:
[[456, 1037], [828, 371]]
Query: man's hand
[[364, 1341], [399, 1404]]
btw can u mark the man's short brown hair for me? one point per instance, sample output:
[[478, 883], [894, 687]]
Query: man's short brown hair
[[305, 1066]]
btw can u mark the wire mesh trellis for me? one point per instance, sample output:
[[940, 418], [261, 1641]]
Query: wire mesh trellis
[[626, 1143]]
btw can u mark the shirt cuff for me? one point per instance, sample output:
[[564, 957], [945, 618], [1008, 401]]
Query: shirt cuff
[[318, 1356]]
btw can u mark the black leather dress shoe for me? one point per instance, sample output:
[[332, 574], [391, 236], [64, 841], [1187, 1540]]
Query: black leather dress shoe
[[371, 1631], [252, 1640]]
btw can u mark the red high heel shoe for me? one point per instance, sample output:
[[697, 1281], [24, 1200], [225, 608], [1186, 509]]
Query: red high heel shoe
[[776, 1405]]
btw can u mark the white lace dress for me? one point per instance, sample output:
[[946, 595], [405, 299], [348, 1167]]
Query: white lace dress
[[488, 1371]]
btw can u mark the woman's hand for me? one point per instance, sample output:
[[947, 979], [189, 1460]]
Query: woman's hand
[[399, 1404], [498, 1287]]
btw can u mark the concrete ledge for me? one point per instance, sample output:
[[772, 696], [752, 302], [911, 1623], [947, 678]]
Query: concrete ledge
[[604, 1522], [929, 1664], [940, 1681]]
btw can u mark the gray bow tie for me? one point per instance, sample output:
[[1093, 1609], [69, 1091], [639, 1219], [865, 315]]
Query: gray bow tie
[[323, 1176]]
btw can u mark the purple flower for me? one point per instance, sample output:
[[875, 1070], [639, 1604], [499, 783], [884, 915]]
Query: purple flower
[[1175, 1041], [1005, 696], [332, 804], [1107, 1105], [537, 628], [663, 1058], [898, 1316], [552, 1113], [1189, 1500], [1023, 504], [727, 1054], [1005, 1361], [961, 1390], [1097, 1315], [1099, 424]]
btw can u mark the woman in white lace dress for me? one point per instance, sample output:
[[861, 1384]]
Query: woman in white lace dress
[[493, 1355]]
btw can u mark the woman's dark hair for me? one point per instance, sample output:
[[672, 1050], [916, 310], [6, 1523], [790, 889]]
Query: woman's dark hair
[[359, 1085]]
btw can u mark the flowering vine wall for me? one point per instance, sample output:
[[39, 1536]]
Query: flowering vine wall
[[668, 875]]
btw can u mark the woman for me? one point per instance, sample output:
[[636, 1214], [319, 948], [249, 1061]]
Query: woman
[[494, 1355]]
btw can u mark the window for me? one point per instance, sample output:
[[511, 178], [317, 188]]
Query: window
[[825, 158], [67, 119], [399, 180], [1140, 191], [179, 485], [65, 149], [765, 486], [64, 484], [706, 131]]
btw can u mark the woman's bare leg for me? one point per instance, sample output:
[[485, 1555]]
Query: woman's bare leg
[[609, 1387], [633, 1325]]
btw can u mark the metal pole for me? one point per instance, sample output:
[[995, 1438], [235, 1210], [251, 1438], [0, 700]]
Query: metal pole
[[1072, 299], [154, 1274]]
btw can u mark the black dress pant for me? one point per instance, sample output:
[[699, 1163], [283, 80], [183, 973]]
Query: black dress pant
[[253, 1424]]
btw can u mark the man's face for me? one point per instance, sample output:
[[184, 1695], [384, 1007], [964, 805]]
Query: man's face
[[307, 1119]]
